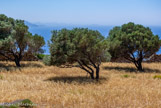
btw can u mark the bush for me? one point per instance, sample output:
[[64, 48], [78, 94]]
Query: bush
[[1, 77], [40, 56], [26, 103], [125, 76], [128, 76], [1, 106], [6, 106], [13, 106], [47, 60], [157, 77]]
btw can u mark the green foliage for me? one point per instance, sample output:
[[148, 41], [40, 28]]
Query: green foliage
[[13, 106], [40, 56], [35, 43], [69, 46], [26, 103], [1, 77], [87, 47], [133, 42], [1, 106], [125, 76], [128, 76], [15, 39], [157, 77], [47, 60]]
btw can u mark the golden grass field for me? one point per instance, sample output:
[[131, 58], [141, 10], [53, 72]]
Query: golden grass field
[[120, 86]]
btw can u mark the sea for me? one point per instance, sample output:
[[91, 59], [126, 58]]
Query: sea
[[45, 30]]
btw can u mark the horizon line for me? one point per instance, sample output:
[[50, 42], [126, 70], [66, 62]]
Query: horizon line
[[77, 24]]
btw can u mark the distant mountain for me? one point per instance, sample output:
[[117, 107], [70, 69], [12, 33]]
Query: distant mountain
[[30, 24], [45, 30]]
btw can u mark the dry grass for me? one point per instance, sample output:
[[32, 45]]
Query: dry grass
[[51, 87]]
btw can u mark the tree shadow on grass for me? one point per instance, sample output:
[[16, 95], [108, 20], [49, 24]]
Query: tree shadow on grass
[[77, 79], [6, 67], [12, 67], [131, 69], [31, 65]]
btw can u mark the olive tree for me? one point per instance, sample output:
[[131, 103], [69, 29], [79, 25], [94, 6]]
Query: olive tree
[[134, 42], [15, 39], [86, 47], [35, 44]]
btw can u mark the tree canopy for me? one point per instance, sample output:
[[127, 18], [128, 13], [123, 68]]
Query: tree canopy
[[15, 39], [134, 42], [86, 47]]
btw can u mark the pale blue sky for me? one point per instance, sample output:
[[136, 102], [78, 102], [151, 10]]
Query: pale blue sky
[[101, 12]]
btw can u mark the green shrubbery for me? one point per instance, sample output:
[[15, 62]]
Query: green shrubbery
[[128, 76], [1, 77], [40, 56], [125, 76], [47, 60], [26, 103], [157, 77]]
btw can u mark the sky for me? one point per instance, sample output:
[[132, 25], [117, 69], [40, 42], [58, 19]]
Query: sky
[[99, 12]]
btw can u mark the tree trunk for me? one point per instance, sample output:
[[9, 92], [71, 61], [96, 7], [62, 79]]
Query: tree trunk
[[17, 61], [92, 75], [97, 72], [139, 67]]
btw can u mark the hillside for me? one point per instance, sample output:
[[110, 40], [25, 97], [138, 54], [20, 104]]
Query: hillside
[[49, 87]]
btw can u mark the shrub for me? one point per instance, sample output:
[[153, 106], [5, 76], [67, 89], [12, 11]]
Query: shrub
[[1, 106], [125, 76], [157, 77], [26, 103], [12, 106], [6, 106], [40, 56], [1, 77], [47, 60]]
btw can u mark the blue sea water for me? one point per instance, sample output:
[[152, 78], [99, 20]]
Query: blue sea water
[[45, 31]]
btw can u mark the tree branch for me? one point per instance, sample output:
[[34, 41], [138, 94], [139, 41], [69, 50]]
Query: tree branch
[[87, 66], [82, 67]]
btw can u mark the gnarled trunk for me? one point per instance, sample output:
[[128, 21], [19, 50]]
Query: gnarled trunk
[[97, 73], [92, 75], [89, 69], [139, 66], [17, 61]]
